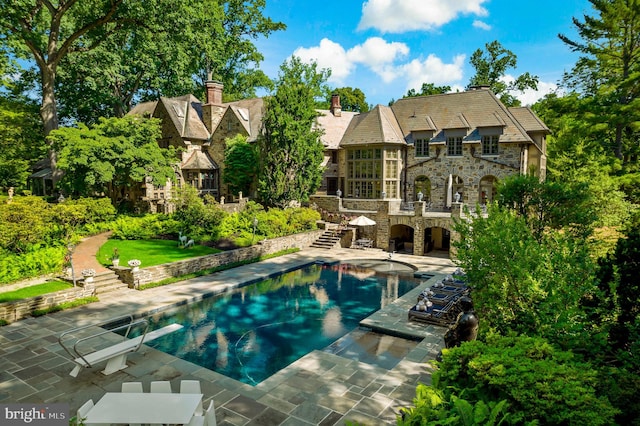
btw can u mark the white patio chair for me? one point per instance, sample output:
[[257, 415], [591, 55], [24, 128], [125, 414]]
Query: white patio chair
[[210, 415], [82, 411], [132, 387], [161, 387], [192, 386], [196, 421]]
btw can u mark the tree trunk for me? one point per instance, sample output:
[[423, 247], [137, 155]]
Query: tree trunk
[[618, 141], [49, 113]]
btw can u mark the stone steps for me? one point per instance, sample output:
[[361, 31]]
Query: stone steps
[[328, 240], [105, 282]]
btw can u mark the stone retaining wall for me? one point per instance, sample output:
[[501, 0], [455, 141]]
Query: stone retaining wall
[[16, 310], [157, 273]]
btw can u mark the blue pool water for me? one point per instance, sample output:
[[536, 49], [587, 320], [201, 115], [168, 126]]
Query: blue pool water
[[255, 331]]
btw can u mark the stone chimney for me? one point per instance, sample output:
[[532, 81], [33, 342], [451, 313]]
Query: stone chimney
[[336, 109], [213, 109]]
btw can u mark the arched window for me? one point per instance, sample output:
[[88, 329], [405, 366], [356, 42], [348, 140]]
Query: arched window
[[423, 184], [487, 188]]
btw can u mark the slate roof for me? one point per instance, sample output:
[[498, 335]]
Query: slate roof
[[333, 127], [472, 110], [529, 120], [186, 114], [199, 161], [378, 126]]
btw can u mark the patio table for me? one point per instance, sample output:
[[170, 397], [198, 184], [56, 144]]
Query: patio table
[[162, 408]]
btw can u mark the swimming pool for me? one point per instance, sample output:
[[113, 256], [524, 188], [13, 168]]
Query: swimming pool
[[255, 331]]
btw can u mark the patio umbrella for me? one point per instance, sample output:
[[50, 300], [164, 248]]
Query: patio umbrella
[[362, 221]]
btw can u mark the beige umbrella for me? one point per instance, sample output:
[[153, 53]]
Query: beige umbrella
[[362, 221]]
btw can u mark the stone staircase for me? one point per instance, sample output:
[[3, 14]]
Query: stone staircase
[[329, 239], [105, 282]]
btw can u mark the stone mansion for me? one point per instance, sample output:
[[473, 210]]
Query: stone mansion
[[407, 166]]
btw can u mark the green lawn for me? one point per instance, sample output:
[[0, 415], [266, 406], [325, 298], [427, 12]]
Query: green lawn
[[34, 290], [150, 252]]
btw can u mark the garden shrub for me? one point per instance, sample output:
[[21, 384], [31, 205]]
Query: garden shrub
[[433, 408], [143, 227], [44, 261], [538, 382]]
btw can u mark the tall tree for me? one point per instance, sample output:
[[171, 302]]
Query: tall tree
[[609, 70], [491, 67], [427, 89], [215, 41], [46, 32], [240, 164], [290, 150]]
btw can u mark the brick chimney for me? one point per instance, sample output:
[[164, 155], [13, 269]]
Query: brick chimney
[[336, 109], [213, 109], [214, 92]]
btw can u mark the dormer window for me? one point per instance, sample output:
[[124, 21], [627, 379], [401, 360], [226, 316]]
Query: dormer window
[[490, 144], [422, 147], [454, 146]]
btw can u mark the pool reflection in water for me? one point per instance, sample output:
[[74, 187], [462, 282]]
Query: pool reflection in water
[[255, 331]]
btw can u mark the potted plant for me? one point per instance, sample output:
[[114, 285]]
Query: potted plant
[[88, 275], [134, 264], [115, 257]]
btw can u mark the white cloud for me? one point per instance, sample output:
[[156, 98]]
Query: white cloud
[[375, 53], [481, 25], [328, 54], [398, 16], [530, 96], [432, 70]]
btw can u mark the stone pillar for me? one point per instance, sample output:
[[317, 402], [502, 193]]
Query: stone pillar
[[418, 237], [382, 226], [419, 208]]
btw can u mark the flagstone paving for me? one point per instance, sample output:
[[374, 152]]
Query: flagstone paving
[[319, 389]]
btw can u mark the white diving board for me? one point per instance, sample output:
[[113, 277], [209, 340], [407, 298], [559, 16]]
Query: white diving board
[[117, 353]]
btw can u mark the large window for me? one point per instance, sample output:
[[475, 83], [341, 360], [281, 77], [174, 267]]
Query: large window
[[364, 172], [454, 146], [422, 147], [490, 145]]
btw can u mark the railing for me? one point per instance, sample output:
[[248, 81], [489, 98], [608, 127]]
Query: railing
[[75, 353]]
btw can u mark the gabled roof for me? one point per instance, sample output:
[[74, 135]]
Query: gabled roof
[[186, 114], [333, 127], [249, 113], [144, 108], [378, 126]]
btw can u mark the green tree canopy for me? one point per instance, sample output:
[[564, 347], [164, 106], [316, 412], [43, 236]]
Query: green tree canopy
[[427, 89], [240, 164], [114, 156], [215, 41], [290, 151], [609, 71], [22, 141], [491, 67], [350, 99]]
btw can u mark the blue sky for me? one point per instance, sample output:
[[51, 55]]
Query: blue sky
[[386, 47]]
